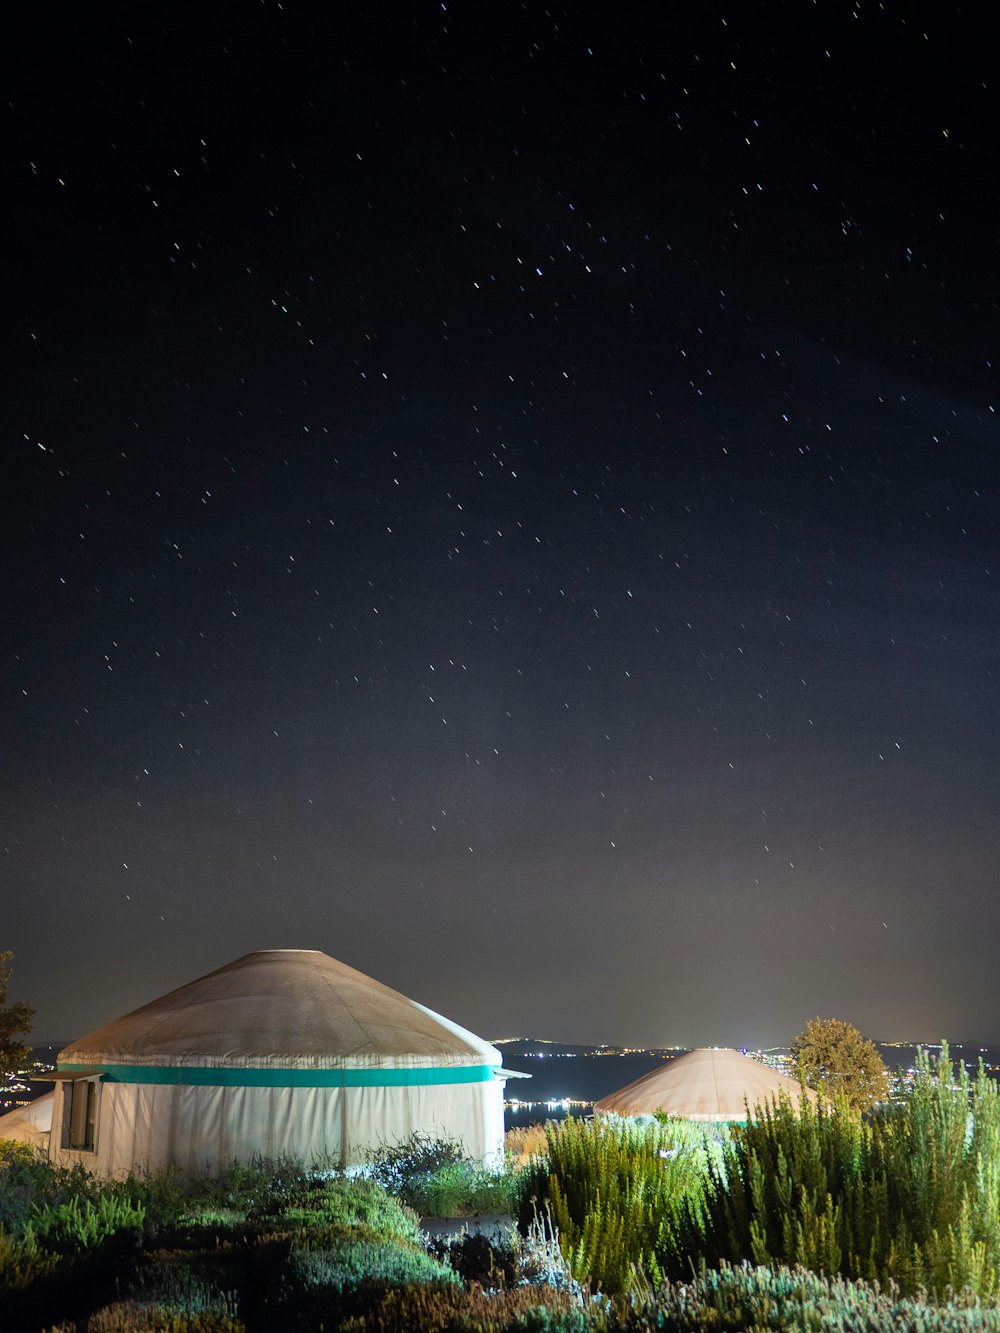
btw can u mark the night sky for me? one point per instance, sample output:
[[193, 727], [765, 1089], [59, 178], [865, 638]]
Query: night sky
[[510, 499]]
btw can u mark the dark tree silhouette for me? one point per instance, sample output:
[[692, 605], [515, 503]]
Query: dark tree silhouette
[[15, 1021]]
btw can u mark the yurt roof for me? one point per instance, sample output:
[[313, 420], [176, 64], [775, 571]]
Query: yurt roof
[[30, 1123], [282, 1008], [705, 1084]]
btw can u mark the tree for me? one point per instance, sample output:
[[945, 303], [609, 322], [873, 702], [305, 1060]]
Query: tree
[[834, 1057], [15, 1019]]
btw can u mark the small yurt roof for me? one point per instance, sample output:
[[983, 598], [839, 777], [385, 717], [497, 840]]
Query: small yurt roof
[[30, 1123], [282, 1008], [714, 1083]]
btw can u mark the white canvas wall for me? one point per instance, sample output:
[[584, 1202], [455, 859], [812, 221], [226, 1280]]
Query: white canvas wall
[[145, 1124]]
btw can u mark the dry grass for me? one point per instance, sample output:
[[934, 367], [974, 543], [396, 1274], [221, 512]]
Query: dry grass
[[524, 1143]]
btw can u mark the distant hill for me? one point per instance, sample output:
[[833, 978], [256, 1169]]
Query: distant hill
[[573, 1071], [537, 1047], [581, 1073], [901, 1055]]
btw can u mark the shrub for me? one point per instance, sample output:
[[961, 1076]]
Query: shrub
[[524, 1142], [431, 1309], [29, 1182], [541, 1261], [187, 1283], [313, 1278], [204, 1215], [405, 1167], [12, 1152], [436, 1179], [464, 1190], [140, 1317], [343, 1258], [78, 1225], [614, 1186], [732, 1300], [262, 1187], [356, 1203], [163, 1195], [22, 1263], [912, 1196], [490, 1261]]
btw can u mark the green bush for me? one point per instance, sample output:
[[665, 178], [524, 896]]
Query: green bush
[[435, 1309], [163, 1196], [911, 1196], [186, 1283], [262, 1187], [436, 1179], [140, 1317], [308, 1279], [464, 1190], [729, 1300], [734, 1300], [22, 1263], [342, 1258], [77, 1225], [204, 1215], [613, 1187], [355, 1203], [29, 1182], [13, 1152]]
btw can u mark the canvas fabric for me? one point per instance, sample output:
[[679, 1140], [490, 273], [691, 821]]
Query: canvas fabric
[[286, 1008], [194, 1128], [29, 1124], [280, 1052], [709, 1084]]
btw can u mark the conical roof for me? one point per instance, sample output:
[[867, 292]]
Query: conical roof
[[282, 1008], [714, 1083], [30, 1123]]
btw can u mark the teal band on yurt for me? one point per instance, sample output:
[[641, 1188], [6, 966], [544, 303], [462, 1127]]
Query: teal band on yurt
[[198, 1076]]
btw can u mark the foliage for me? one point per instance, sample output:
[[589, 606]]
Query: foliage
[[464, 1190], [355, 1203], [732, 1300], [79, 1224], [506, 1258], [309, 1279], [162, 1194], [15, 1021], [13, 1153], [834, 1058], [911, 1197], [344, 1257], [430, 1309], [22, 1262], [195, 1282], [524, 1142], [613, 1186], [728, 1300], [262, 1187], [141, 1317], [542, 1262], [28, 1183], [436, 1179], [491, 1260]]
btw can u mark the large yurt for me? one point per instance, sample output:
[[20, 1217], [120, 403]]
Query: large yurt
[[282, 1052], [714, 1083]]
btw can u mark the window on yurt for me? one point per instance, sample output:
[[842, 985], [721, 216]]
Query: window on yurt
[[80, 1107]]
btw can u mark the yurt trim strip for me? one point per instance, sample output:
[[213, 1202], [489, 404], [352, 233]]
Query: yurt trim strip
[[194, 1075]]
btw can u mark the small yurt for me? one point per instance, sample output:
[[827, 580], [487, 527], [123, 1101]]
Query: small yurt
[[714, 1083], [282, 1052], [29, 1123]]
